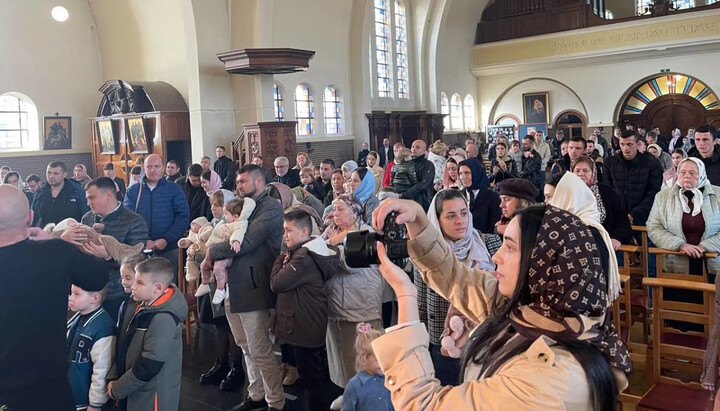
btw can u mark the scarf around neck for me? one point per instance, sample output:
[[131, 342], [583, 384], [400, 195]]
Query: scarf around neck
[[567, 290], [697, 198], [471, 249]]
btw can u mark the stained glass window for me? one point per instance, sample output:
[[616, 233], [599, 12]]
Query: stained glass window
[[469, 112], [304, 113], [445, 109], [16, 122], [609, 14], [278, 99], [333, 108], [382, 49], [401, 49], [456, 112]]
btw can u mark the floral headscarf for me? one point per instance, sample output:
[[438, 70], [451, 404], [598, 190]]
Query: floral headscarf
[[567, 290]]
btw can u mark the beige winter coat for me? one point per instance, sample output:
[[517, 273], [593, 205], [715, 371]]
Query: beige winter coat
[[545, 377]]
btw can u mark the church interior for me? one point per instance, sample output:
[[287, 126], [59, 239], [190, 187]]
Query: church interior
[[100, 81]]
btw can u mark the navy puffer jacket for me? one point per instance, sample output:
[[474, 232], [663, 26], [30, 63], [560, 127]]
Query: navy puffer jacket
[[164, 209]]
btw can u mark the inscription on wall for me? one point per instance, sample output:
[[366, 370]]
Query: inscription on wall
[[620, 39], [647, 33]]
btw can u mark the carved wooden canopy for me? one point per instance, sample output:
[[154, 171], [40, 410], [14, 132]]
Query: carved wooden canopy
[[266, 60], [122, 97]]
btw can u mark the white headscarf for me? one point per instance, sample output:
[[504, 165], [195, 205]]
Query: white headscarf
[[573, 195], [471, 248], [698, 195]]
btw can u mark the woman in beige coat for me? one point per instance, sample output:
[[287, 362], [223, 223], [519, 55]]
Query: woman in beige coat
[[544, 341]]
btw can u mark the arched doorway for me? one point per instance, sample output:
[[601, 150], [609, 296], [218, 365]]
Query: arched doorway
[[571, 122], [669, 101]]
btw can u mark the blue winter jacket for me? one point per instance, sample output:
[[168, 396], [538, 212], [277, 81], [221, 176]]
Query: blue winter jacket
[[164, 209]]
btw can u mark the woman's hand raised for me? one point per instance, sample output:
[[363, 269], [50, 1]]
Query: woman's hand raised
[[409, 213], [400, 282]]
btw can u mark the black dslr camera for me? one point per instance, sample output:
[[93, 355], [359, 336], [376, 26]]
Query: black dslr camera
[[361, 247]]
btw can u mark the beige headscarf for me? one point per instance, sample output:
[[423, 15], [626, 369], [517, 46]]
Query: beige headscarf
[[573, 195]]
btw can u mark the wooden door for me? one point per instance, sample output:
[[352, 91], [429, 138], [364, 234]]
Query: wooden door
[[673, 111]]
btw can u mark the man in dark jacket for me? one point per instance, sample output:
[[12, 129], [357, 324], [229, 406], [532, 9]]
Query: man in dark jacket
[[36, 278], [249, 307], [109, 170], [172, 171], [532, 166], [119, 222], [326, 168], [225, 168], [163, 206], [386, 153], [59, 199], [285, 175], [422, 191], [706, 150], [635, 177], [197, 199], [362, 155]]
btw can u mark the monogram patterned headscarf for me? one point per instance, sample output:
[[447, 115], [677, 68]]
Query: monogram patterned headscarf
[[567, 289]]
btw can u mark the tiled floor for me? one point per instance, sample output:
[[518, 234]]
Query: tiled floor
[[197, 359]]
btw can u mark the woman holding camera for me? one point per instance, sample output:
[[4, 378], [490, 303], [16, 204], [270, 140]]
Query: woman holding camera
[[544, 339], [449, 213], [355, 294]]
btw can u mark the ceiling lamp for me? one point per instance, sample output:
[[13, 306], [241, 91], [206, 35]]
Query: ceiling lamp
[[59, 13]]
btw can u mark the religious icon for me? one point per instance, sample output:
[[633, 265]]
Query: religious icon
[[106, 135], [136, 135], [57, 133], [535, 108]]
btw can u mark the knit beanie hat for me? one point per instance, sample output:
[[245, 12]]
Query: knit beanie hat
[[518, 188], [201, 221]]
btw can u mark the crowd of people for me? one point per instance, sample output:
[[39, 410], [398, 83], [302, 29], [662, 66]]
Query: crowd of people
[[459, 324]]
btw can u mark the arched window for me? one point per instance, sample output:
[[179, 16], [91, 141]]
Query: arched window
[[391, 52], [445, 109], [18, 123], [609, 15], [278, 102], [469, 112], [333, 110], [383, 59], [304, 112], [401, 49], [456, 112]]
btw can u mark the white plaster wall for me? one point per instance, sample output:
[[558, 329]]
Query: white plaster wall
[[57, 65], [599, 86], [322, 26], [455, 40], [560, 97], [143, 40]]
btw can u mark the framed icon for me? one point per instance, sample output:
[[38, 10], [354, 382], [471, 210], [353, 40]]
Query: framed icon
[[536, 108], [57, 133], [136, 135]]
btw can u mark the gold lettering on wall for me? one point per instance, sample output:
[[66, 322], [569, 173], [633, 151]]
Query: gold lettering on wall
[[650, 32]]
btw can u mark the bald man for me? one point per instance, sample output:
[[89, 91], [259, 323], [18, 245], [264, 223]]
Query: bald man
[[422, 191], [163, 206], [36, 278]]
